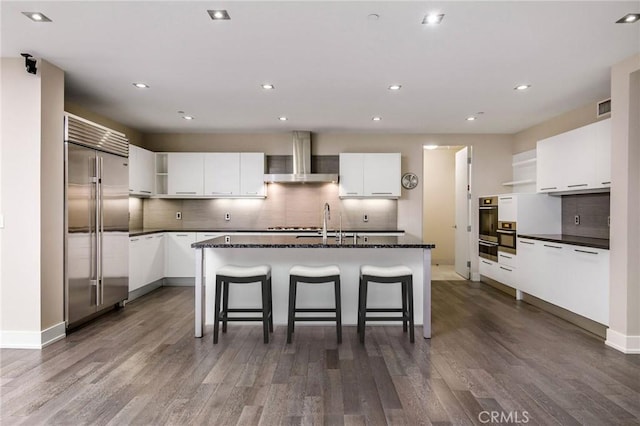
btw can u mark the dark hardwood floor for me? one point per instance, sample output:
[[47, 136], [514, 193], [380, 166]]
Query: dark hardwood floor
[[491, 360]]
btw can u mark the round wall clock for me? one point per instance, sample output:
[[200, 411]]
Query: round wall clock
[[409, 180]]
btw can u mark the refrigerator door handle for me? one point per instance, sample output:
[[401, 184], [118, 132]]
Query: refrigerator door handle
[[101, 233], [97, 242]]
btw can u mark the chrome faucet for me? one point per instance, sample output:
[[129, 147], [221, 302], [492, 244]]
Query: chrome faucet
[[326, 215]]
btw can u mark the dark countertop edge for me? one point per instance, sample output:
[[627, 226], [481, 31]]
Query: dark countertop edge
[[307, 245], [598, 243], [137, 233]]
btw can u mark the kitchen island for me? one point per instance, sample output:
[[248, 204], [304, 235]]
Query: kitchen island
[[284, 251]]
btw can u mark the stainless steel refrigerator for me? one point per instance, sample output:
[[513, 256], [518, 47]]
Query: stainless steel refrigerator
[[96, 220]]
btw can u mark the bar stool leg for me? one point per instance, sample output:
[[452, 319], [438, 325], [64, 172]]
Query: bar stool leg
[[338, 309], [225, 305], [216, 321], [364, 309], [291, 310], [410, 291], [270, 305], [359, 305], [404, 306], [265, 309]]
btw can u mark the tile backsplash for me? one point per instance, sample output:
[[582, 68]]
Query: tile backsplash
[[285, 205], [593, 211]]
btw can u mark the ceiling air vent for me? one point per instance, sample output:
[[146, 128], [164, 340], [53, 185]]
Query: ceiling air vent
[[604, 108]]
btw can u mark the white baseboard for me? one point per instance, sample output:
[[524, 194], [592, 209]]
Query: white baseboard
[[622, 342], [32, 339], [475, 276]]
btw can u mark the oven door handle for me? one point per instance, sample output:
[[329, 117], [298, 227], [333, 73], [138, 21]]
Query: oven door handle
[[486, 244], [489, 208], [506, 232]]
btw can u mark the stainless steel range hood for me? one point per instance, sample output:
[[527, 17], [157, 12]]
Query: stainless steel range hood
[[302, 172]]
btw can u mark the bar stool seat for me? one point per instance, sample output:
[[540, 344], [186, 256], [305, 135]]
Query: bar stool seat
[[314, 275], [386, 275], [233, 274]]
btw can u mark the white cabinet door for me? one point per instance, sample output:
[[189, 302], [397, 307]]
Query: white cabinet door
[[136, 267], [382, 175], [133, 169], [507, 208], [552, 277], [185, 173], [146, 162], [252, 174], [602, 150], [488, 268], [589, 283], [156, 257], [507, 275], [577, 153], [222, 174], [351, 175], [179, 256], [529, 266], [507, 259], [550, 164]]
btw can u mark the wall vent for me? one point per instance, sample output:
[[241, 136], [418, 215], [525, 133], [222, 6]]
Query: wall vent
[[604, 108]]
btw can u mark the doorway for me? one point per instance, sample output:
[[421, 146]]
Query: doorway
[[445, 212]]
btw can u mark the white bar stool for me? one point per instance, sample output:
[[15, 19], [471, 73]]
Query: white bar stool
[[386, 275], [231, 274], [314, 275]]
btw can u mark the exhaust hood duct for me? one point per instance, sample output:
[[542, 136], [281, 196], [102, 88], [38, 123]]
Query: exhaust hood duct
[[302, 172]]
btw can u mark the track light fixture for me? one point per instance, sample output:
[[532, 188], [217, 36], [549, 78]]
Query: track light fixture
[[30, 64]]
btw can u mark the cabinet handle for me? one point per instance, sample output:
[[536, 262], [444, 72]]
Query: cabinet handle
[[149, 238], [251, 193], [146, 192], [134, 239], [547, 245], [510, 270], [605, 183], [352, 193], [182, 235], [506, 198], [506, 257], [576, 185], [550, 187], [381, 193], [527, 242], [186, 192], [220, 193], [488, 263], [585, 251]]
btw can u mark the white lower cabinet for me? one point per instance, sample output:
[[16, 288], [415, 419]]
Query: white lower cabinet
[[572, 277], [488, 268], [146, 260], [507, 275], [179, 256]]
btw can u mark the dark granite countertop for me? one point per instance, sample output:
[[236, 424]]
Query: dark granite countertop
[[290, 241], [599, 243], [146, 231]]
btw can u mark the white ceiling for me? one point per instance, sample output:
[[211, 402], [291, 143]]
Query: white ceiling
[[331, 65]]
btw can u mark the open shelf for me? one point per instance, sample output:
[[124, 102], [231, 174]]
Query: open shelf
[[524, 163], [519, 182]]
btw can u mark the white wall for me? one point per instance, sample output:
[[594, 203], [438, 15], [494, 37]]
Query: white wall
[[624, 288], [31, 277], [20, 192]]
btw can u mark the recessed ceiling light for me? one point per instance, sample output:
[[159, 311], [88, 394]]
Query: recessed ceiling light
[[141, 85], [219, 15], [376, 118], [430, 146], [395, 87], [432, 18], [472, 118], [36, 16], [629, 18], [373, 17], [283, 118], [268, 86], [188, 117], [522, 87]]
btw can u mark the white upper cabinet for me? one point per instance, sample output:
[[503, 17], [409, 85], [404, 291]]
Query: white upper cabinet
[[371, 175], [507, 208], [222, 174], [141, 171], [185, 173], [578, 160], [234, 174], [252, 167]]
